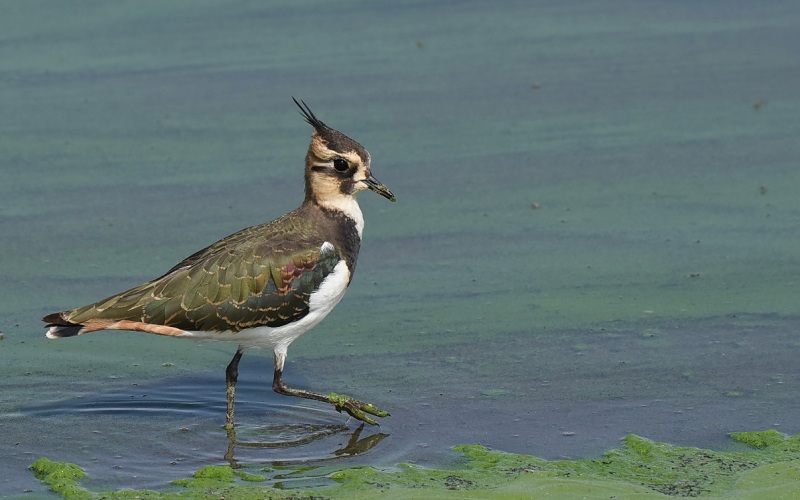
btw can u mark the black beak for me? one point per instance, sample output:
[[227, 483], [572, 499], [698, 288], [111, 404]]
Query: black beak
[[373, 184]]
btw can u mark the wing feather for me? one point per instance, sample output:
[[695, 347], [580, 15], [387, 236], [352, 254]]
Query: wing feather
[[261, 276]]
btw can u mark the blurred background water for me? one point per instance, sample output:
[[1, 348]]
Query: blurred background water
[[596, 230]]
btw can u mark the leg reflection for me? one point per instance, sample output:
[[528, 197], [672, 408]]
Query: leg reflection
[[310, 433]]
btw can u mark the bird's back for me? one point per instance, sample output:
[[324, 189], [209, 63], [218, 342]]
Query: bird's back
[[260, 276]]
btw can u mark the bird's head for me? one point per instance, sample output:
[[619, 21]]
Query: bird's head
[[337, 167]]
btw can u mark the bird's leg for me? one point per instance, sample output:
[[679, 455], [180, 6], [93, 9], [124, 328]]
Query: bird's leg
[[340, 402], [231, 376]]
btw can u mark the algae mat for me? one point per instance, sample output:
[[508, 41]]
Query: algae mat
[[640, 469]]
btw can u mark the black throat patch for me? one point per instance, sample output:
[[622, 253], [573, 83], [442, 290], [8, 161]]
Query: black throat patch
[[345, 238]]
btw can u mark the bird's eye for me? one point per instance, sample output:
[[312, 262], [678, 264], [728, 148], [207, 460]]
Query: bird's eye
[[340, 165]]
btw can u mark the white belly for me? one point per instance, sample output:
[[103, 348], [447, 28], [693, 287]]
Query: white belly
[[321, 303]]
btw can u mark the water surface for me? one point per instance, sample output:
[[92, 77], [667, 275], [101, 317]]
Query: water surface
[[595, 233]]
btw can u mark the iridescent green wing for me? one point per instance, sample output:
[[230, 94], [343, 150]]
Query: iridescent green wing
[[257, 277]]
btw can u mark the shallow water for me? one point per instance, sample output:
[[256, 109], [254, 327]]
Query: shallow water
[[595, 233]]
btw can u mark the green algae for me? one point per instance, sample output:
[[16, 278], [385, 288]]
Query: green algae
[[214, 473], [61, 477], [760, 439], [255, 478], [640, 468]]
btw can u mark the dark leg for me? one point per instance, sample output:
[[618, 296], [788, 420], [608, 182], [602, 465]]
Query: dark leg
[[231, 376], [340, 402]]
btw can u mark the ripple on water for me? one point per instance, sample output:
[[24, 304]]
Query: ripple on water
[[146, 436]]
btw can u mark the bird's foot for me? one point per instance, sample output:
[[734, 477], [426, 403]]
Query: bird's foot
[[355, 408]]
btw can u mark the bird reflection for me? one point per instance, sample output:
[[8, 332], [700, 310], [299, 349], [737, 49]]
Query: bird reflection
[[356, 446], [308, 433]]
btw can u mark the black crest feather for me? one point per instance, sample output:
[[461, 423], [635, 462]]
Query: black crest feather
[[309, 115]]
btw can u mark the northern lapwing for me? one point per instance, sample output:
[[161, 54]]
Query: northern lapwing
[[264, 286]]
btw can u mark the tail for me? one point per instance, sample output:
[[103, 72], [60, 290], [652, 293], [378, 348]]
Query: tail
[[59, 327]]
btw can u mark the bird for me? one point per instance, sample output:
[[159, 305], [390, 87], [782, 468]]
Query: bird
[[263, 286]]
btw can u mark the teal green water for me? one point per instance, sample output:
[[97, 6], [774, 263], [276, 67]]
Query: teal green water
[[653, 291]]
